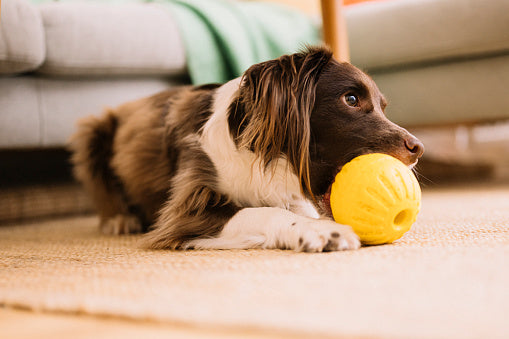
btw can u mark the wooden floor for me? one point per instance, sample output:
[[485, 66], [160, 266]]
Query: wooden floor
[[21, 324]]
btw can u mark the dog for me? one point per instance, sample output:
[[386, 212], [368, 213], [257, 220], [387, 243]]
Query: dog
[[246, 164]]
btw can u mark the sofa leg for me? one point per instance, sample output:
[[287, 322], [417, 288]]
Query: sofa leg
[[334, 28]]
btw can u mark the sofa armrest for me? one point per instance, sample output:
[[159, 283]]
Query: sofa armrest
[[22, 46]]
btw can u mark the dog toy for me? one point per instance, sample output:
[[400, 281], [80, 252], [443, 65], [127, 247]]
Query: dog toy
[[378, 196]]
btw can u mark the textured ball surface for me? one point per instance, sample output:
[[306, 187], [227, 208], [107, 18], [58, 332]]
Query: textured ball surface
[[378, 196]]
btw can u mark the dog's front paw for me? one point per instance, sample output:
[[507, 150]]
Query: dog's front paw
[[325, 236], [121, 224]]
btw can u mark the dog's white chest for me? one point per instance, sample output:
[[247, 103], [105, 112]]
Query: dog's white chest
[[240, 173]]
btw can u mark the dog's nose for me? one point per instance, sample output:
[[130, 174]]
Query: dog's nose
[[415, 147]]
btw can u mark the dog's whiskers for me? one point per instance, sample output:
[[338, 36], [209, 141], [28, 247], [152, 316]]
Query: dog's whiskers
[[421, 177]]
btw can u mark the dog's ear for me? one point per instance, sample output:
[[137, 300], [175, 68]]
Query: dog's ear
[[277, 97]]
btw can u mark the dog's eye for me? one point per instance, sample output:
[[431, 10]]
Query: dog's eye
[[351, 100]]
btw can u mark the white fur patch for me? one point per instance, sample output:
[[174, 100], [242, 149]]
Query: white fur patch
[[240, 173], [271, 227]]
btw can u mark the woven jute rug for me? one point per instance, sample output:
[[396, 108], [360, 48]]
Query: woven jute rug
[[447, 278]]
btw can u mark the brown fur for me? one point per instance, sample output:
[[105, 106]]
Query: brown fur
[[195, 208], [92, 148], [276, 102], [127, 170]]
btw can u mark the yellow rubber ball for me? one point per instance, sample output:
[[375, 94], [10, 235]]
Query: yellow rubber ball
[[378, 196]]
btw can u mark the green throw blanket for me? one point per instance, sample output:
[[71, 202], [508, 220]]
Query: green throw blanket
[[223, 38]]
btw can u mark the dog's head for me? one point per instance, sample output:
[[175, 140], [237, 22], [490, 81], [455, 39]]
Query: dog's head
[[319, 114]]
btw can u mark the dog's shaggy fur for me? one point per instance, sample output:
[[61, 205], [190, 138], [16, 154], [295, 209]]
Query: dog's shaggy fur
[[247, 164]]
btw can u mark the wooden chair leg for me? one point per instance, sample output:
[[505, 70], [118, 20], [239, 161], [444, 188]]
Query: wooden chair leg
[[334, 28]]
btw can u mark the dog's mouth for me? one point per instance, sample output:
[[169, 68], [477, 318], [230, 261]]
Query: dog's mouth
[[324, 203], [323, 200]]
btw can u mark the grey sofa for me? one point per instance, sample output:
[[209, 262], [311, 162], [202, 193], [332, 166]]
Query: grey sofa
[[62, 61], [438, 61]]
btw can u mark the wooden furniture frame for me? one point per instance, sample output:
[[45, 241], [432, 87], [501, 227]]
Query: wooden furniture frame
[[334, 28]]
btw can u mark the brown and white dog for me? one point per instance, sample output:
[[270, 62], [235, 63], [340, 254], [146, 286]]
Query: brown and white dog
[[246, 164]]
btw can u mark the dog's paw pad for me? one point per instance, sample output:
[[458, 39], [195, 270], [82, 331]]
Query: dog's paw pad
[[327, 236]]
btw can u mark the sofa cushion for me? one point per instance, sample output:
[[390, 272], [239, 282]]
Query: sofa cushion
[[468, 91], [42, 112], [21, 37], [110, 39], [402, 32]]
